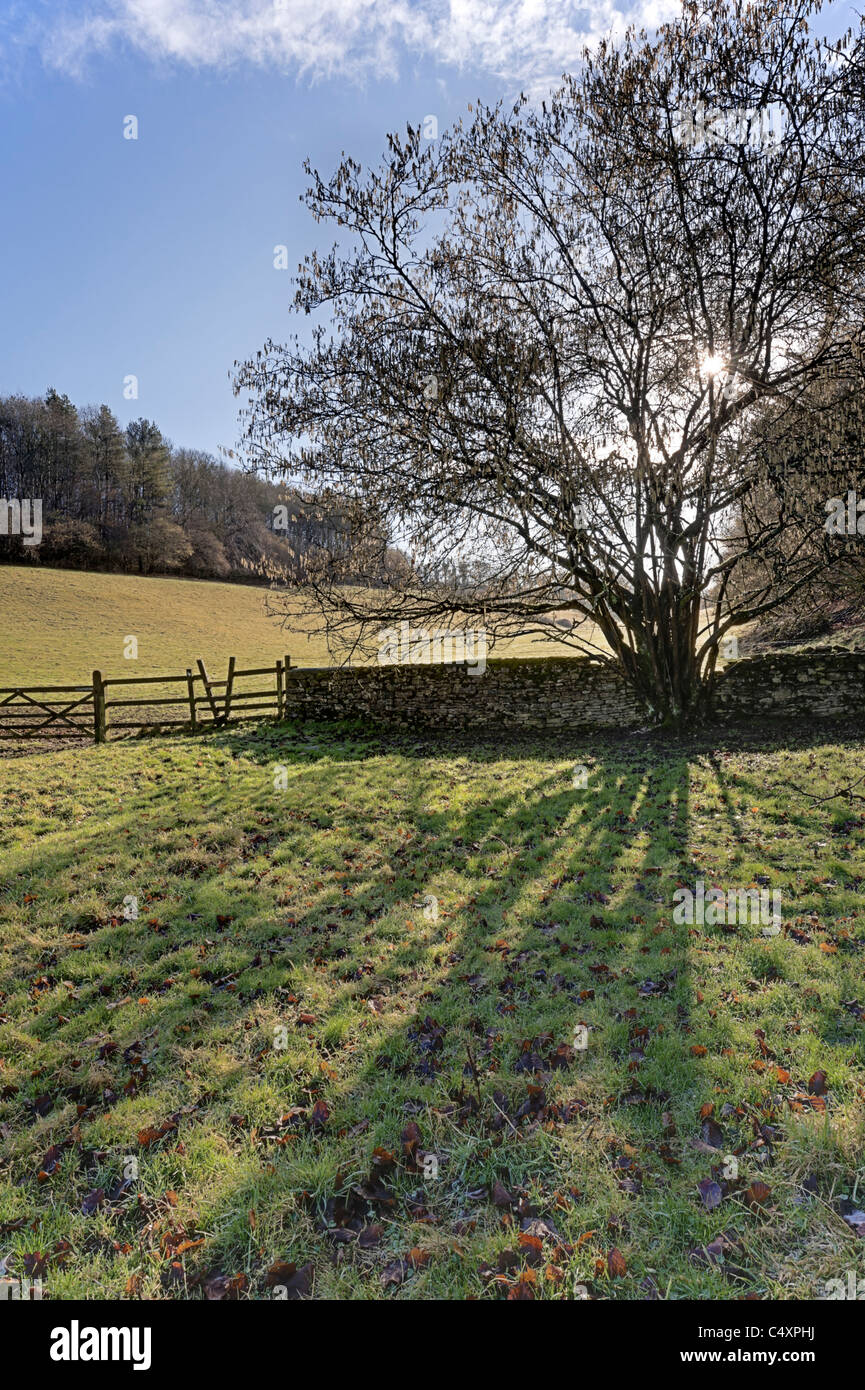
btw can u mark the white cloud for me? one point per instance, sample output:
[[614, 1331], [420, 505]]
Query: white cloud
[[526, 42]]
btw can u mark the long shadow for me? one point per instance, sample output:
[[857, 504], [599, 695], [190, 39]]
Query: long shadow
[[513, 992], [564, 924]]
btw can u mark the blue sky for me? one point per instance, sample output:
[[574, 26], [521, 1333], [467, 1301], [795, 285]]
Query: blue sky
[[154, 257]]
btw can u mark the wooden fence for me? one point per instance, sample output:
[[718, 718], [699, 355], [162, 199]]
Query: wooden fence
[[88, 711]]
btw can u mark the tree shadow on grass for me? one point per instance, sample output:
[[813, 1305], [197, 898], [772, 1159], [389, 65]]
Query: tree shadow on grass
[[590, 1145], [552, 917], [560, 947]]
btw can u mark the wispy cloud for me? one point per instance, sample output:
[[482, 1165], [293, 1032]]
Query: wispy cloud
[[527, 42]]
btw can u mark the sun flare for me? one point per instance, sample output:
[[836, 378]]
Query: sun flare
[[713, 364]]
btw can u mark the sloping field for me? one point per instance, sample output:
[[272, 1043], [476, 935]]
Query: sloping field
[[60, 625], [65, 623]]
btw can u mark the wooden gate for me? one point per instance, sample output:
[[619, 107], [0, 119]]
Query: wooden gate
[[89, 711], [32, 713]]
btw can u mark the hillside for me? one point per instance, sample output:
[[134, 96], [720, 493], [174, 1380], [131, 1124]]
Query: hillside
[[58, 625]]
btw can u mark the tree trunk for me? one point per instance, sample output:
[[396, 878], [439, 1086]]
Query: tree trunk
[[664, 671]]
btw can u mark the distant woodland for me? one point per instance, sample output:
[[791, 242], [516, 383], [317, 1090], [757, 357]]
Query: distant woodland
[[126, 500]]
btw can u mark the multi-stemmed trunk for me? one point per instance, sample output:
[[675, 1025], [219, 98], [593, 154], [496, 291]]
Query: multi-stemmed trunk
[[658, 655], [665, 673]]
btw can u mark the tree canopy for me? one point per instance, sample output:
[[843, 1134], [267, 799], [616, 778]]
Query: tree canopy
[[552, 349]]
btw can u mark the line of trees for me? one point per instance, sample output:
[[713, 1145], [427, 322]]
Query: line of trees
[[126, 500]]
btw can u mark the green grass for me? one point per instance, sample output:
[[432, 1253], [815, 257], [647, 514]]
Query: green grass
[[286, 1008], [60, 625]]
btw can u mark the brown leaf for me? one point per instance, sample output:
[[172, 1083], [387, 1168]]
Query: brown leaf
[[370, 1236], [152, 1135], [710, 1194], [523, 1289], [712, 1134], [395, 1273], [220, 1288], [93, 1201], [185, 1245], [757, 1195], [532, 1247], [411, 1141], [296, 1283], [320, 1115]]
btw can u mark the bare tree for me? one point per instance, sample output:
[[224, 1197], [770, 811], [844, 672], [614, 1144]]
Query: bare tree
[[548, 341]]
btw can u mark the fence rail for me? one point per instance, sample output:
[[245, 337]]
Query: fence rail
[[84, 711]]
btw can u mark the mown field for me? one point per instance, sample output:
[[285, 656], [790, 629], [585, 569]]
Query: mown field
[[60, 625], [333, 1055]]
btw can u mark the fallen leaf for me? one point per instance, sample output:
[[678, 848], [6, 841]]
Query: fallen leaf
[[710, 1194], [757, 1195]]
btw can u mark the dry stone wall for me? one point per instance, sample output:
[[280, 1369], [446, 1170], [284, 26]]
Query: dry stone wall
[[569, 692], [812, 683], [553, 692]]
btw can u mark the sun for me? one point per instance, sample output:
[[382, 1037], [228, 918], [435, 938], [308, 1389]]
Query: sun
[[713, 364]]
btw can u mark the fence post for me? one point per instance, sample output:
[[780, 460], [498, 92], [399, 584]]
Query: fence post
[[229, 686], [279, 689], [98, 707], [208, 692], [285, 671], [190, 686]]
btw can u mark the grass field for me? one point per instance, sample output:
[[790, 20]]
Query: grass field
[[60, 625], [334, 1052]]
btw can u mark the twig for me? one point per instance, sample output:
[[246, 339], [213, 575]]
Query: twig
[[474, 1074], [842, 791], [507, 1117]]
